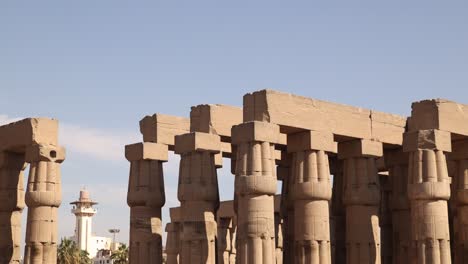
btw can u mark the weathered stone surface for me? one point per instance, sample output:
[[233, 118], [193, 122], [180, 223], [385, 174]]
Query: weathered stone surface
[[162, 129], [427, 139], [311, 140], [255, 131], [146, 151], [215, 119], [31, 131], [197, 141], [359, 148], [305, 113], [439, 114]]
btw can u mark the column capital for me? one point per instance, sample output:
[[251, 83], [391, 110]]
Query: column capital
[[311, 140], [51, 153], [427, 139], [146, 151], [255, 131], [197, 141], [360, 148]]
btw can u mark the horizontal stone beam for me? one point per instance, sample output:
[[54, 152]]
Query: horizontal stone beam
[[30, 131], [162, 129], [439, 114], [215, 119], [295, 113]]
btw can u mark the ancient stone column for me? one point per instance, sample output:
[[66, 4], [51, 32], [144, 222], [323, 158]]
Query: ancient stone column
[[146, 197], [173, 229], [172, 242], [460, 157], [224, 240], [11, 206], [428, 191], [233, 232], [198, 195], [255, 187], [385, 219], [43, 197], [279, 244], [283, 171], [338, 218], [397, 163], [311, 193], [361, 196]]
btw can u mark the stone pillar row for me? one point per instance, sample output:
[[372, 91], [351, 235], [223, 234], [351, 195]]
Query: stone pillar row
[[413, 197]]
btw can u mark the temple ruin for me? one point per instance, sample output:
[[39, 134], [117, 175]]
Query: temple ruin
[[358, 186], [33, 141]]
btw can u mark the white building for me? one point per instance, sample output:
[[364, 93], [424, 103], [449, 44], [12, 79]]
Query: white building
[[84, 238]]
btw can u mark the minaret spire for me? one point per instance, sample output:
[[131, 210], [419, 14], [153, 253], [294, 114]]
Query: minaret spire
[[84, 212]]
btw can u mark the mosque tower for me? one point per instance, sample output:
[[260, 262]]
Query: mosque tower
[[84, 212]]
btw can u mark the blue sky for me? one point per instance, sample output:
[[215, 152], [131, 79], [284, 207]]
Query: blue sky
[[100, 66]]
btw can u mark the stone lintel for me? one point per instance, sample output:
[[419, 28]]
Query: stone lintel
[[36, 153], [427, 139], [360, 148], [146, 151], [439, 114], [215, 119], [255, 131], [311, 140], [197, 141], [160, 128], [18, 135], [294, 112], [459, 150]]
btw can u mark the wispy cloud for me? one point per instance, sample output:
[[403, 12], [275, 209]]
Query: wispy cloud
[[96, 143], [100, 144]]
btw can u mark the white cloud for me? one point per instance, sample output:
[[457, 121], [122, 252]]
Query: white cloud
[[96, 143], [100, 144]]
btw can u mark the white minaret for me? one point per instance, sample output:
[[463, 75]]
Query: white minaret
[[84, 211]]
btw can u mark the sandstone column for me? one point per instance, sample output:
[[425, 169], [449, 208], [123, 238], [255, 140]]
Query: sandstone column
[[397, 163], [255, 187], [173, 229], [43, 197], [224, 240], [460, 156], [233, 232], [311, 193], [11, 206], [338, 219], [428, 191], [361, 197], [385, 219], [283, 171], [198, 195], [145, 198], [279, 244]]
